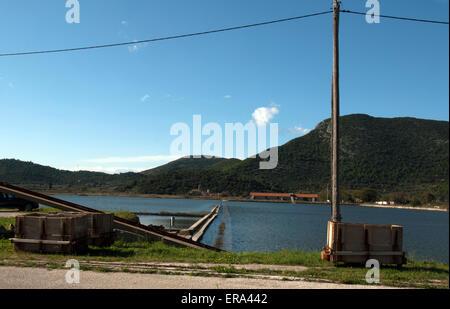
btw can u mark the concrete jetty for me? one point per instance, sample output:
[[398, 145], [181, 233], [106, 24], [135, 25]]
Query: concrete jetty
[[196, 230]]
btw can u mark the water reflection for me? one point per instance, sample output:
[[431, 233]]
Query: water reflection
[[180, 222]]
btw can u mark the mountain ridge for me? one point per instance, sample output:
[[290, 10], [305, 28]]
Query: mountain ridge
[[387, 154]]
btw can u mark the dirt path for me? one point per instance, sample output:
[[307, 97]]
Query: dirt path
[[39, 278], [173, 267]]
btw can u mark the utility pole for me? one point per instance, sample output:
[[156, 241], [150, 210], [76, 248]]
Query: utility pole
[[335, 212]]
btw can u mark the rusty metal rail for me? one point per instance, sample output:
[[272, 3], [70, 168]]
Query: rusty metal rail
[[119, 223]]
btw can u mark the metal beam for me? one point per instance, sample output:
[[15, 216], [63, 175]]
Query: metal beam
[[123, 224]]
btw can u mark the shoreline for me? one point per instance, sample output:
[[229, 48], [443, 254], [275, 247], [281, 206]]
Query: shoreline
[[237, 199], [401, 207]]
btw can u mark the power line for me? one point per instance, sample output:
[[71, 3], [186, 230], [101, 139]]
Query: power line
[[400, 18], [164, 38], [212, 31]]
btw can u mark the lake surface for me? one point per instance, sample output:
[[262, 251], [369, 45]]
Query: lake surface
[[180, 221], [253, 226], [137, 204]]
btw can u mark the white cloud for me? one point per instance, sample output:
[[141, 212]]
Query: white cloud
[[140, 159], [124, 22], [145, 97], [227, 96], [10, 85], [263, 115], [299, 130]]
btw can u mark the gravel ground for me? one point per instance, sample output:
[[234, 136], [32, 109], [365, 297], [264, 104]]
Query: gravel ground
[[39, 278]]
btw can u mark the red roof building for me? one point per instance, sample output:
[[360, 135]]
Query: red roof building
[[307, 195]]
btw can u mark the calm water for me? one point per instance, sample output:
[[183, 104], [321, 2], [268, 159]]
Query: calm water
[[252, 226], [136, 204], [272, 226], [180, 222]]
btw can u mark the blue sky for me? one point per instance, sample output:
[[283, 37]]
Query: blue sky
[[112, 109]]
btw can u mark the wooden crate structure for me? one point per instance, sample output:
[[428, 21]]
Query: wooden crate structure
[[52, 233], [359, 242], [100, 229]]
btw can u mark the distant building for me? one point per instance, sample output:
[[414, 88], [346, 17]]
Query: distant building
[[270, 196], [381, 203], [306, 197], [198, 192], [195, 192]]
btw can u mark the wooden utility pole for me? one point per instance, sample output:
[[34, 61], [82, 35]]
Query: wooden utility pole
[[335, 212]]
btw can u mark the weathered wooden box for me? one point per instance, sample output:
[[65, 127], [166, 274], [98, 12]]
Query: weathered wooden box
[[359, 242], [100, 227], [52, 233]]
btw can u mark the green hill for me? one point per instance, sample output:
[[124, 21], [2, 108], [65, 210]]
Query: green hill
[[387, 154], [35, 176], [402, 155], [184, 164], [382, 153]]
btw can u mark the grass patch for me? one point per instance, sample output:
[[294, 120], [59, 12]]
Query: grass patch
[[422, 274], [5, 222], [158, 251], [46, 210], [418, 274], [6, 248], [182, 214], [125, 215]]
